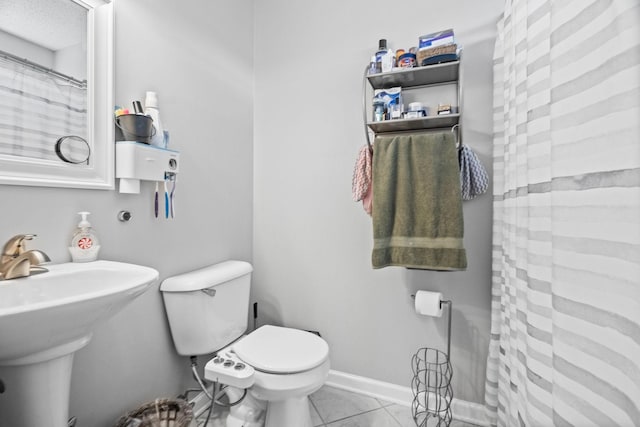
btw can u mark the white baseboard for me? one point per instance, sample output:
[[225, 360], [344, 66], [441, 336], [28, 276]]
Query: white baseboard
[[461, 410], [469, 412], [369, 387]]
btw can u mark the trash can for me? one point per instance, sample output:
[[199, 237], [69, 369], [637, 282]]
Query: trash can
[[159, 413]]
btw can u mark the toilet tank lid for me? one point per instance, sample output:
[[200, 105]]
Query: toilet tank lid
[[206, 277]]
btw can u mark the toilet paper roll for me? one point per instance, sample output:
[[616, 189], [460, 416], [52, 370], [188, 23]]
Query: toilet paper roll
[[428, 303]]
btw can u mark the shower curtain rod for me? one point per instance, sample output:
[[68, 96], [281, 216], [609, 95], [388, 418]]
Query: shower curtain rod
[[38, 67]]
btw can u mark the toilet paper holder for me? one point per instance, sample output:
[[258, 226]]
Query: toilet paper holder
[[449, 303], [431, 383]]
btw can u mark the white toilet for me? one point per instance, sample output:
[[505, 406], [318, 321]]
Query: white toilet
[[208, 310]]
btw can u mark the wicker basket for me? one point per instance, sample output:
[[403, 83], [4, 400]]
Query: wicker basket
[[159, 413], [433, 51]]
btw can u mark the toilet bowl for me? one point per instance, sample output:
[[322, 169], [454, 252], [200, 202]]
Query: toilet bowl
[[289, 365], [207, 311]]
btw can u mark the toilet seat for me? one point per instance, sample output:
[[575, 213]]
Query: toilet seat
[[278, 350]]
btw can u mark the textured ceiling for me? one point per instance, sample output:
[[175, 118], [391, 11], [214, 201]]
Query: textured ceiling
[[54, 24]]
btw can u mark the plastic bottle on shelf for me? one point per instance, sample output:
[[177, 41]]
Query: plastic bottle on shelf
[[384, 57], [151, 110], [372, 66]]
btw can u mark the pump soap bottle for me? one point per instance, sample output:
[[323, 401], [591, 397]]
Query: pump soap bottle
[[84, 243]]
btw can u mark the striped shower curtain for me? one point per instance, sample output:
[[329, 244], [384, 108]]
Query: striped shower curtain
[[565, 334], [36, 109]]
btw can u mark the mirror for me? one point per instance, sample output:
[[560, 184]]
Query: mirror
[[56, 80]]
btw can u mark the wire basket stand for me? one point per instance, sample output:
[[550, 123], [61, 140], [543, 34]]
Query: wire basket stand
[[431, 383]]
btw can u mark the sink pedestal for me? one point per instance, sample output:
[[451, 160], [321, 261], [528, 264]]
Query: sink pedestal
[[44, 320], [37, 387]]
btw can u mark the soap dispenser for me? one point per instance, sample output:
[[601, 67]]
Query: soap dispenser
[[84, 243]]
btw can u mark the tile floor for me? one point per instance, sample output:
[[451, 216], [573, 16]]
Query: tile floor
[[332, 407]]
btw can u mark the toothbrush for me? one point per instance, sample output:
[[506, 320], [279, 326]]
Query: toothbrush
[[166, 200], [155, 200], [173, 189]]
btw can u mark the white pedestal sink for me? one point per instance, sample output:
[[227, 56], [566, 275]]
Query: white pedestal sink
[[44, 320]]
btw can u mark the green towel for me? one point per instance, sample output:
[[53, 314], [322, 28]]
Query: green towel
[[417, 207]]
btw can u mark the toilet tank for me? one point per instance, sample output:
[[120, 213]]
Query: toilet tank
[[208, 308]]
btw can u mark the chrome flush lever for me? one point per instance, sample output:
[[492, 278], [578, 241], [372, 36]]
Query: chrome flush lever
[[210, 291]]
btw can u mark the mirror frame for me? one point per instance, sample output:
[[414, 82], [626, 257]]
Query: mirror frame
[[15, 170]]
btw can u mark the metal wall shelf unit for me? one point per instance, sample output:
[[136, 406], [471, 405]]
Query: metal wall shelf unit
[[448, 73], [401, 125]]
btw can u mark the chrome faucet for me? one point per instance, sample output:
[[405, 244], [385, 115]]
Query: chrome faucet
[[16, 261]]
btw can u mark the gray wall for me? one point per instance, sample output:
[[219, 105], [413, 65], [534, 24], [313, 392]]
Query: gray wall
[[312, 243], [198, 56]]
